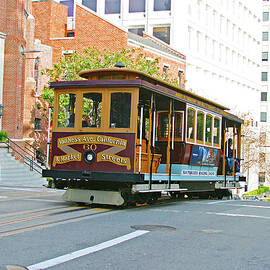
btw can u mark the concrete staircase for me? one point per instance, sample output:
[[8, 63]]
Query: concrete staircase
[[15, 173]]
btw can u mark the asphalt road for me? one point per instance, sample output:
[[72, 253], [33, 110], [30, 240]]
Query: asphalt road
[[40, 231]]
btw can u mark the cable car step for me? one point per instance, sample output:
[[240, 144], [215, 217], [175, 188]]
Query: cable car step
[[161, 190]]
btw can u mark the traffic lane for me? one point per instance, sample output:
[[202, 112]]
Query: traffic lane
[[200, 241], [15, 199]]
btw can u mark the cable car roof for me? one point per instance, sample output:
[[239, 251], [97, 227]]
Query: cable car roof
[[137, 78]]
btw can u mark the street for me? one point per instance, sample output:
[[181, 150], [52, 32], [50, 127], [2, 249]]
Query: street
[[40, 231]]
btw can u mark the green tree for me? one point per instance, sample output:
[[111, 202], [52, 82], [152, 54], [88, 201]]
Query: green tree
[[68, 67]]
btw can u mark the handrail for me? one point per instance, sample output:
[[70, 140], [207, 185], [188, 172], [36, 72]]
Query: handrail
[[28, 160], [35, 151]]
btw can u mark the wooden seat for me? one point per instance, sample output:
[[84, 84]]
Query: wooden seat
[[145, 162]]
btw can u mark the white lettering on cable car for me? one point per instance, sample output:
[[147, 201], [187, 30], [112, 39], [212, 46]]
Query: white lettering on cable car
[[198, 173]]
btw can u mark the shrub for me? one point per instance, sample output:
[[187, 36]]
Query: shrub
[[3, 136], [258, 191]]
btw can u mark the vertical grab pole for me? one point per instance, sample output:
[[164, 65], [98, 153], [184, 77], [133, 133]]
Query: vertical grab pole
[[224, 153], [172, 145], [169, 139], [141, 128], [234, 158], [153, 141], [149, 135]]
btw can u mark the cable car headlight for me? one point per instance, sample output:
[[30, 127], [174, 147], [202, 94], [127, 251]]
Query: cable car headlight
[[89, 156]]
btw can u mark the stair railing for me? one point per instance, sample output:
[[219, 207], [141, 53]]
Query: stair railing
[[23, 155]]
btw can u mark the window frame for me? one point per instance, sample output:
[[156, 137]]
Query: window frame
[[162, 26], [212, 123], [265, 36], [206, 112], [157, 10], [264, 96], [143, 11], [194, 126], [56, 113], [219, 134], [264, 76], [265, 17], [203, 139], [133, 112], [264, 56], [111, 13], [177, 139], [81, 110]]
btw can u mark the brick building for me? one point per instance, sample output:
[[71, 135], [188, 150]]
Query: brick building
[[19, 56], [34, 35], [92, 30]]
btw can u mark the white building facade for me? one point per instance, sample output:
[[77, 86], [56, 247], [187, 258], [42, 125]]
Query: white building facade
[[220, 38], [264, 104]]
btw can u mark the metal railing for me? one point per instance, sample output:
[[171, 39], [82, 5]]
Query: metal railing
[[27, 157]]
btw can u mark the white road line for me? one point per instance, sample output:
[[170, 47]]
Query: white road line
[[251, 206], [86, 251], [217, 202], [237, 215]]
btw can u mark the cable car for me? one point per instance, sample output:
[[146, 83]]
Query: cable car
[[121, 136]]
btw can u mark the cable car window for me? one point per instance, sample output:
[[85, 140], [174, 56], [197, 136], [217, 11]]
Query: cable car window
[[216, 130], [91, 111], [120, 110], [200, 127], [66, 110], [178, 125], [191, 124], [208, 129], [163, 125]]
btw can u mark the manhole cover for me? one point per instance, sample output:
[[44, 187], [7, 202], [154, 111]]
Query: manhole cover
[[153, 228]]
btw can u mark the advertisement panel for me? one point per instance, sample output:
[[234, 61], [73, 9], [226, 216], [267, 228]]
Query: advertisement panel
[[93, 151]]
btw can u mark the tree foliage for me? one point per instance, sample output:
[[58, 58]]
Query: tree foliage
[[68, 67]]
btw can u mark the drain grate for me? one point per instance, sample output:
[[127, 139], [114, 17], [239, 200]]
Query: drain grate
[[153, 227]]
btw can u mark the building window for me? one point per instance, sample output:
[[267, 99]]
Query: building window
[[264, 76], [266, 16], [180, 77], [162, 33], [36, 74], [263, 96], [136, 5], [264, 56], [263, 116], [70, 5], [162, 5], [91, 4], [112, 6], [261, 177], [37, 124], [137, 31], [265, 36], [165, 70]]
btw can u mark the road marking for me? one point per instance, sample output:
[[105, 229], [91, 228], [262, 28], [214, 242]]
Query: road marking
[[217, 202], [237, 215], [252, 206], [86, 251]]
